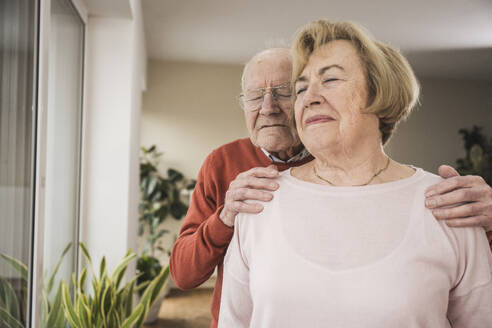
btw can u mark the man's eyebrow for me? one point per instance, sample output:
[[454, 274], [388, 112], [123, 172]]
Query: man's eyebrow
[[326, 68]]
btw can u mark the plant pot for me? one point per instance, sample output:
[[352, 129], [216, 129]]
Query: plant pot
[[154, 310]]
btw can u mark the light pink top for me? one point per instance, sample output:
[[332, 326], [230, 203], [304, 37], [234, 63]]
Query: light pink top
[[372, 256]]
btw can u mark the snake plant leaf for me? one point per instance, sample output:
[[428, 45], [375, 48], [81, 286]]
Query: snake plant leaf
[[56, 317], [45, 310], [20, 267], [81, 283], [69, 310], [9, 299], [142, 286], [8, 320], [123, 265], [102, 300], [102, 267], [151, 293], [129, 300], [160, 282], [49, 285], [134, 316], [87, 256], [84, 313]]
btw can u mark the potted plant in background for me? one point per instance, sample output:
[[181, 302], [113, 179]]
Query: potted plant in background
[[110, 304], [478, 160], [12, 305], [160, 197]]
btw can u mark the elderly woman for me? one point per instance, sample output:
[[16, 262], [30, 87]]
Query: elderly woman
[[346, 241]]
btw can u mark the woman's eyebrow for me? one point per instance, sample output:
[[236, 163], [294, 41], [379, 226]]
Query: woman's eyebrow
[[326, 68], [321, 71]]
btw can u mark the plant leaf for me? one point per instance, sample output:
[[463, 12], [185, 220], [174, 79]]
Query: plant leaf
[[9, 298], [51, 280], [134, 316], [69, 310], [20, 267], [123, 265], [9, 320], [56, 310], [102, 267]]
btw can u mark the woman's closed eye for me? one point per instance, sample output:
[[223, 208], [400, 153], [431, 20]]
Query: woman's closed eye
[[300, 90], [329, 80]]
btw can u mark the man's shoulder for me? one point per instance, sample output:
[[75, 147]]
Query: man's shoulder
[[234, 157], [239, 145], [240, 150]]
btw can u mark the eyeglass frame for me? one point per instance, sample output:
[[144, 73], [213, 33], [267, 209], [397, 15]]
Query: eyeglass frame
[[266, 90]]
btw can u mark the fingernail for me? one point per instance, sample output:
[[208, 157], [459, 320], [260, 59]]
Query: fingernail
[[431, 203], [430, 193], [274, 185]]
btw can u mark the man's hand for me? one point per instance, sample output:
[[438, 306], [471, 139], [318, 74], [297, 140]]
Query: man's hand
[[254, 184], [468, 199]]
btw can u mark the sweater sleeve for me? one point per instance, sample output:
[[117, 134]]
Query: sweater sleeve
[[470, 300], [203, 238], [236, 305]]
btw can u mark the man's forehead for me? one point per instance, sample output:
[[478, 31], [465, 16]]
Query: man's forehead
[[264, 73]]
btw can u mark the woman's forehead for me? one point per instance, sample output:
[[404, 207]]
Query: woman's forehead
[[338, 55]]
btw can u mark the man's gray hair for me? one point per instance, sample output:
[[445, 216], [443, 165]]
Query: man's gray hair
[[270, 45]]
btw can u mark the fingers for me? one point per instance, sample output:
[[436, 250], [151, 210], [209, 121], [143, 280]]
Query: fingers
[[262, 172], [446, 171], [456, 197], [242, 207], [254, 183], [474, 221], [248, 194], [453, 183], [257, 178], [463, 211]]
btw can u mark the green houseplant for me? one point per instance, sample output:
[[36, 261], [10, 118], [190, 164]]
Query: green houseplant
[[160, 197], [478, 159], [12, 307], [110, 305]]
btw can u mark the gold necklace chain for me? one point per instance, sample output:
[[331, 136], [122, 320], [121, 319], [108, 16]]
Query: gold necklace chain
[[365, 184]]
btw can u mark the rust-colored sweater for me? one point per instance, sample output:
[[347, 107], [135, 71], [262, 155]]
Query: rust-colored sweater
[[203, 239]]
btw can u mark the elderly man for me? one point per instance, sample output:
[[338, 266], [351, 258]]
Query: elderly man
[[242, 171]]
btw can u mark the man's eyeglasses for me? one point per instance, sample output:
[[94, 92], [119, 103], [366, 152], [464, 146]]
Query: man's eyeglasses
[[253, 99]]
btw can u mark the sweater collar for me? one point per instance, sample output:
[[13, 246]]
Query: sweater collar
[[296, 158]]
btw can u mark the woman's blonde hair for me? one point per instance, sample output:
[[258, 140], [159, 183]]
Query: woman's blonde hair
[[392, 86]]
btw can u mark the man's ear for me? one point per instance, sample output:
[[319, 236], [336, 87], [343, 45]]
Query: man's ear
[[446, 171]]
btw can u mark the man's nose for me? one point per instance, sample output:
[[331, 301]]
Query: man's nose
[[269, 105]]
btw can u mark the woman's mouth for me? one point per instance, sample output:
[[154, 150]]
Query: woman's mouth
[[316, 119]]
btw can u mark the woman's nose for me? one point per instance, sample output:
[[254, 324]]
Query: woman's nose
[[312, 96]]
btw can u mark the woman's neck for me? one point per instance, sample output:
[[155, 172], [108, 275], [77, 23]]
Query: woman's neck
[[352, 167]]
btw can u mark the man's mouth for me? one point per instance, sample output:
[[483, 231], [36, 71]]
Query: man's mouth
[[318, 119], [273, 126]]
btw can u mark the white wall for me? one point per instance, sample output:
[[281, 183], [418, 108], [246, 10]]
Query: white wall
[[189, 109], [430, 136], [116, 77]]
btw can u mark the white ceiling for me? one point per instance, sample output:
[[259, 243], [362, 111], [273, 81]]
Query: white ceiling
[[449, 38]]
